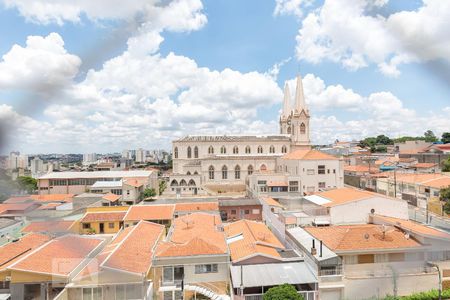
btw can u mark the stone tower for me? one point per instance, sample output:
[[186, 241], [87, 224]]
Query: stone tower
[[295, 121]]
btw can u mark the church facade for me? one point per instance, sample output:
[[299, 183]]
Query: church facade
[[221, 164]]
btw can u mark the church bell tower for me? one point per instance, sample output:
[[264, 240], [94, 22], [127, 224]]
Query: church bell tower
[[295, 121]]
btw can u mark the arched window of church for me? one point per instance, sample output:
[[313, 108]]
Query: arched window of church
[[272, 149], [224, 172], [237, 172], [195, 173], [175, 152], [223, 150], [210, 150], [211, 172], [284, 149], [302, 128], [260, 149], [188, 173], [289, 130], [191, 182], [248, 150], [250, 170], [189, 152], [183, 182], [263, 168], [196, 152], [235, 150], [174, 183]]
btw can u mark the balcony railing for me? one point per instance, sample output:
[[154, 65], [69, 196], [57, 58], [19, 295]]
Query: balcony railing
[[178, 283], [386, 269], [307, 295]]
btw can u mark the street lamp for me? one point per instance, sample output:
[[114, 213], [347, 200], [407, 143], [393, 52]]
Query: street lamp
[[433, 265]]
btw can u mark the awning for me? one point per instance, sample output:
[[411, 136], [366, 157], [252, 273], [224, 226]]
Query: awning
[[272, 274]]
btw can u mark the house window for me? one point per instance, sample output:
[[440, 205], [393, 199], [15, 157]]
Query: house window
[[175, 152], [202, 269], [111, 225], [366, 259], [260, 149], [322, 185], [210, 150], [233, 211], [223, 150], [321, 169], [189, 152], [247, 211], [284, 149], [293, 186], [334, 171], [196, 152], [247, 150], [86, 225], [92, 293], [237, 172], [211, 172], [224, 172], [272, 149], [235, 150], [250, 170]]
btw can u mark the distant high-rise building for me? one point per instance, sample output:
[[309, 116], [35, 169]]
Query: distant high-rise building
[[141, 155], [17, 161], [89, 158], [37, 166], [127, 154]]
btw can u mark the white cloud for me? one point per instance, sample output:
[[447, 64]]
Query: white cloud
[[42, 65], [342, 31], [291, 7]]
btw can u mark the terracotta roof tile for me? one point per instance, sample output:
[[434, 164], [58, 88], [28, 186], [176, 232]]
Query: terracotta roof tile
[[414, 227], [111, 197], [197, 206], [150, 212], [69, 251], [103, 216], [194, 234], [48, 226], [362, 237], [256, 239], [53, 198], [345, 195], [13, 251], [272, 202]]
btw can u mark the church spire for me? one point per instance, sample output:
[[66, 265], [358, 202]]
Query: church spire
[[286, 102], [299, 97]]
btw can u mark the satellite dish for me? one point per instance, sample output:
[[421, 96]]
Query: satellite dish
[[366, 236]]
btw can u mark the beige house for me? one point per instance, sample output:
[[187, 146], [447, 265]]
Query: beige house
[[193, 259]]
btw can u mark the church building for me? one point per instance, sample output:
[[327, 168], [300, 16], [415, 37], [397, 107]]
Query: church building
[[222, 164]]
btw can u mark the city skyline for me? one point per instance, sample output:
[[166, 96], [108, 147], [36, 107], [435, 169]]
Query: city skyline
[[136, 78]]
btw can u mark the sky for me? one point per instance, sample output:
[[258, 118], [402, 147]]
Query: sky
[[87, 76]]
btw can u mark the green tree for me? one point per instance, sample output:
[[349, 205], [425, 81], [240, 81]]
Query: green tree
[[430, 136], [149, 193], [282, 292], [384, 140], [162, 186], [445, 137], [27, 183], [444, 195], [446, 165]]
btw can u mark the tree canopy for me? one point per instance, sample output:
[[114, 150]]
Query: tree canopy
[[445, 137], [282, 292], [27, 183], [149, 193]]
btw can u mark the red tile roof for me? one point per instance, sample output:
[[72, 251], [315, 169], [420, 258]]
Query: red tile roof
[[194, 234], [364, 238], [53, 198], [197, 206], [150, 212], [135, 252], [48, 226], [103, 216], [59, 257], [13, 251]]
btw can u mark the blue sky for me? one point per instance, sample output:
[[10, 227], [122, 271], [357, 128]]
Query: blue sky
[[357, 83]]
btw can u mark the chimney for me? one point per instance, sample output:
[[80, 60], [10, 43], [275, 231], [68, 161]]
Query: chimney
[[320, 249], [313, 248]]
